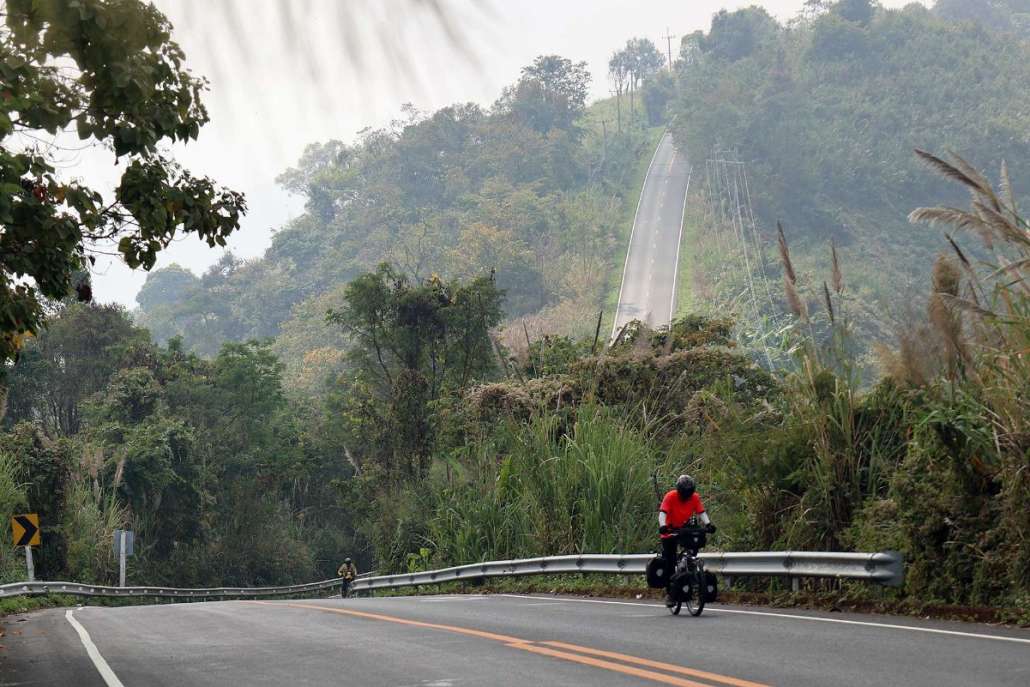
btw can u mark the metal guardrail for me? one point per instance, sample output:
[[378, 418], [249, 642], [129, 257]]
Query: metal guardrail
[[79, 589], [885, 568]]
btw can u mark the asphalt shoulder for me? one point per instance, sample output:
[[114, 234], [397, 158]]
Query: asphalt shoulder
[[42, 648]]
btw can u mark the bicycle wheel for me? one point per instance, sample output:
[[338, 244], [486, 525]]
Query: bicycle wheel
[[696, 599], [674, 607]]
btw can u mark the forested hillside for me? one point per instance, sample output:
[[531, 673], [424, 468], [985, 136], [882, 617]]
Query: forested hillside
[[825, 112], [532, 189]]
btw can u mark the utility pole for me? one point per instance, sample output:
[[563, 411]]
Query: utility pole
[[668, 41], [618, 106]]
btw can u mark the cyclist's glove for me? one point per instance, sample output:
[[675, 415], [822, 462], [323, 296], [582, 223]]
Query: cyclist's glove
[[664, 529], [710, 528]]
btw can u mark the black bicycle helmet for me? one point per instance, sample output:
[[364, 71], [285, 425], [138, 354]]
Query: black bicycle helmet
[[685, 486], [347, 561]]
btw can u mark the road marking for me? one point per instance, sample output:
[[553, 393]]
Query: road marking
[[932, 630], [913, 628], [552, 650], [670, 667], [587, 601], [608, 665], [110, 679], [402, 621]]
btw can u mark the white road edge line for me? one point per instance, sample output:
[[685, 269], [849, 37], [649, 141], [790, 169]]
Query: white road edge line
[[679, 244], [913, 628], [110, 679], [632, 231]]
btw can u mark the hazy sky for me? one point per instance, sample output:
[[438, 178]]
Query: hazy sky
[[286, 73]]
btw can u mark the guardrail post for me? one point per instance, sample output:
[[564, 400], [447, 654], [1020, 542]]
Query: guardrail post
[[795, 584]]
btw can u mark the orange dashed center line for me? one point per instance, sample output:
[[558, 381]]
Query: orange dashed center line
[[682, 670], [608, 665], [583, 655], [404, 621]]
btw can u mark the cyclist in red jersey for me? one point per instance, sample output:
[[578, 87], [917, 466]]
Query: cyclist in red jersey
[[678, 507]]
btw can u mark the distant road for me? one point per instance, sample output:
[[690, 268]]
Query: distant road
[[498, 640], [649, 277]]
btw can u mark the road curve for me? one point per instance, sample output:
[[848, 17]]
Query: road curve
[[648, 289], [502, 640]]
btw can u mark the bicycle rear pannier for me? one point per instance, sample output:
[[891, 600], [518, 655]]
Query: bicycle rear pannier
[[657, 573]]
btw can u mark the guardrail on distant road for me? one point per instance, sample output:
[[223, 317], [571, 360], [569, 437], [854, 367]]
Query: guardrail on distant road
[[886, 568]]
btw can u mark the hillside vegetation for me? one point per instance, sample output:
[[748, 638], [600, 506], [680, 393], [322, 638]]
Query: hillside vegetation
[[531, 189], [825, 112]]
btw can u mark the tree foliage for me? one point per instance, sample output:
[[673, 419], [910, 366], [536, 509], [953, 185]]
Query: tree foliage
[[69, 361], [413, 343], [108, 70]]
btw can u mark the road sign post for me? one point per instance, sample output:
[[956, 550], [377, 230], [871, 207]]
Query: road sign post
[[123, 546], [121, 560]]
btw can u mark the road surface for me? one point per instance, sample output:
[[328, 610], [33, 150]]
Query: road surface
[[497, 640], [649, 276]]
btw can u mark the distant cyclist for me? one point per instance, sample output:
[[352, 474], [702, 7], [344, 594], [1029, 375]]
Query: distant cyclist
[[678, 507], [349, 573]]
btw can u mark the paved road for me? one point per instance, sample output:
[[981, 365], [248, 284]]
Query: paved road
[[649, 276], [499, 641]]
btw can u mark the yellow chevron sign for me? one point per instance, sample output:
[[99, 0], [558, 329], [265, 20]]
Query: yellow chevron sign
[[25, 529]]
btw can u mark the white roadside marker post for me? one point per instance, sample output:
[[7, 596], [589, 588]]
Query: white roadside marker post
[[121, 558]]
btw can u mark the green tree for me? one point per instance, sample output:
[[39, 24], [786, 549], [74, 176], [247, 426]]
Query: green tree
[[858, 11], [736, 35], [43, 467], [644, 59], [411, 342], [70, 360], [165, 286], [551, 93], [630, 67], [109, 70]]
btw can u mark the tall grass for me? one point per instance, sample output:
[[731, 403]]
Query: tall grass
[[853, 438], [588, 490], [545, 489], [12, 499], [91, 517]]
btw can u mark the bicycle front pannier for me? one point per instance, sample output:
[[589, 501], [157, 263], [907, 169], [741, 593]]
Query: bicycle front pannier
[[711, 587], [657, 573]]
